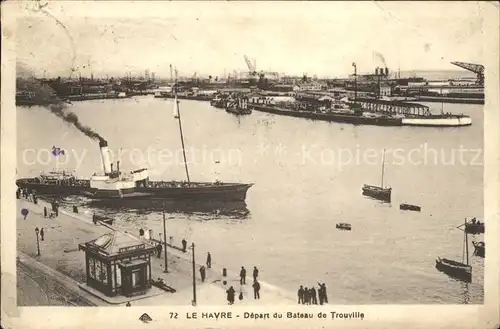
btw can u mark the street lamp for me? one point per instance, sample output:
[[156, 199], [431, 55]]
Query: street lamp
[[37, 240], [194, 277], [165, 238]]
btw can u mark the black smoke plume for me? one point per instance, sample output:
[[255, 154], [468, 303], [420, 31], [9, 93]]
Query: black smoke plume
[[70, 117], [44, 95]]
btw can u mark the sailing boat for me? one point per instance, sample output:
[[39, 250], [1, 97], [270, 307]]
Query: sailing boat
[[378, 192], [457, 270]]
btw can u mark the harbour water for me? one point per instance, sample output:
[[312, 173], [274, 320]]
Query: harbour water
[[308, 177]]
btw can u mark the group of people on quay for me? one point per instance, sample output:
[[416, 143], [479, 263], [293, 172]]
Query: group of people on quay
[[27, 194], [231, 293], [309, 296]]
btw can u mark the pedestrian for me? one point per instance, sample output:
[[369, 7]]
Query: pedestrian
[[323, 292], [314, 299], [35, 199], [150, 234], [300, 294], [230, 295], [45, 212], [57, 209], [255, 273], [209, 260], [42, 233], [160, 247], [256, 289], [243, 276], [202, 273], [18, 194], [128, 304], [141, 233], [306, 296], [184, 245]]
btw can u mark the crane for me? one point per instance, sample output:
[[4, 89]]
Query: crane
[[251, 67], [475, 68]]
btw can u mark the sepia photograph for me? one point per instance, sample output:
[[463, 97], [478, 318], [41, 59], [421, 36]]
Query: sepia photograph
[[306, 156]]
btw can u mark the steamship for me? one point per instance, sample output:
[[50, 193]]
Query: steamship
[[113, 184]]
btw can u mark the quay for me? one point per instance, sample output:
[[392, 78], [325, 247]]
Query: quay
[[61, 270], [453, 100]]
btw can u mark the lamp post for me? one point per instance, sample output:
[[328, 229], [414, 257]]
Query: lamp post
[[194, 277], [165, 239], [37, 240]]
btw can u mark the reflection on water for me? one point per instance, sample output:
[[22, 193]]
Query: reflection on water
[[464, 288], [205, 210]]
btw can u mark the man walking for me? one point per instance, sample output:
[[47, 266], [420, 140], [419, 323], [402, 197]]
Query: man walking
[[184, 245], [256, 289], [323, 295], [42, 233], [230, 295], [255, 273], [209, 260], [314, 299], [141, 234], [202, 273], [160, 248], [243, 275], [300, 294]]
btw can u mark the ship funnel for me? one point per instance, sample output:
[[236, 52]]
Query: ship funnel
[[106, 162]]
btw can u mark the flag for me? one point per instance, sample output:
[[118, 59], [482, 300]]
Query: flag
[[176, 108]]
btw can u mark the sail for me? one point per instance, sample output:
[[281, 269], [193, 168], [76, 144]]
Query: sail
[[176, 108]]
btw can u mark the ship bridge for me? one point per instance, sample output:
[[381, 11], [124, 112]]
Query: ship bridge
[[393, 107]]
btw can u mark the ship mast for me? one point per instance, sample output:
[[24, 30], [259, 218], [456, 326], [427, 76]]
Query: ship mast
[[383, 164], [178, 116], [355, 82], [466, 242]]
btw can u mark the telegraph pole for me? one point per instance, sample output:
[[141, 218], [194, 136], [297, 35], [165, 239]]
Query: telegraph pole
[[165, 238]]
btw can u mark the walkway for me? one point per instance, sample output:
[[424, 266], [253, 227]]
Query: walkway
[[59, 251]]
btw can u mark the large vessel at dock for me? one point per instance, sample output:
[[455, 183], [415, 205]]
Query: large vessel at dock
[[374, 112], [115, 184], [332, 116]]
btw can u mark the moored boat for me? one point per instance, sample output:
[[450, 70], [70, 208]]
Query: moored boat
[[412, 207], [474, 226], [454, 269], [458, 270], [343, 226], [378, 192], [479, 248]]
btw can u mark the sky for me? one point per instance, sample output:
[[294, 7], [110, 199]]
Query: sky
[[316, 38]]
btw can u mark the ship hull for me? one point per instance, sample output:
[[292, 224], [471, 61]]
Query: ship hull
[[332, 117], [222, 192], [378, 193], [454, 269], [233, 192], [437, 121]]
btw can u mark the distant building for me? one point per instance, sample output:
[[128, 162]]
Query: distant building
[[310, 86], [385, 90]]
